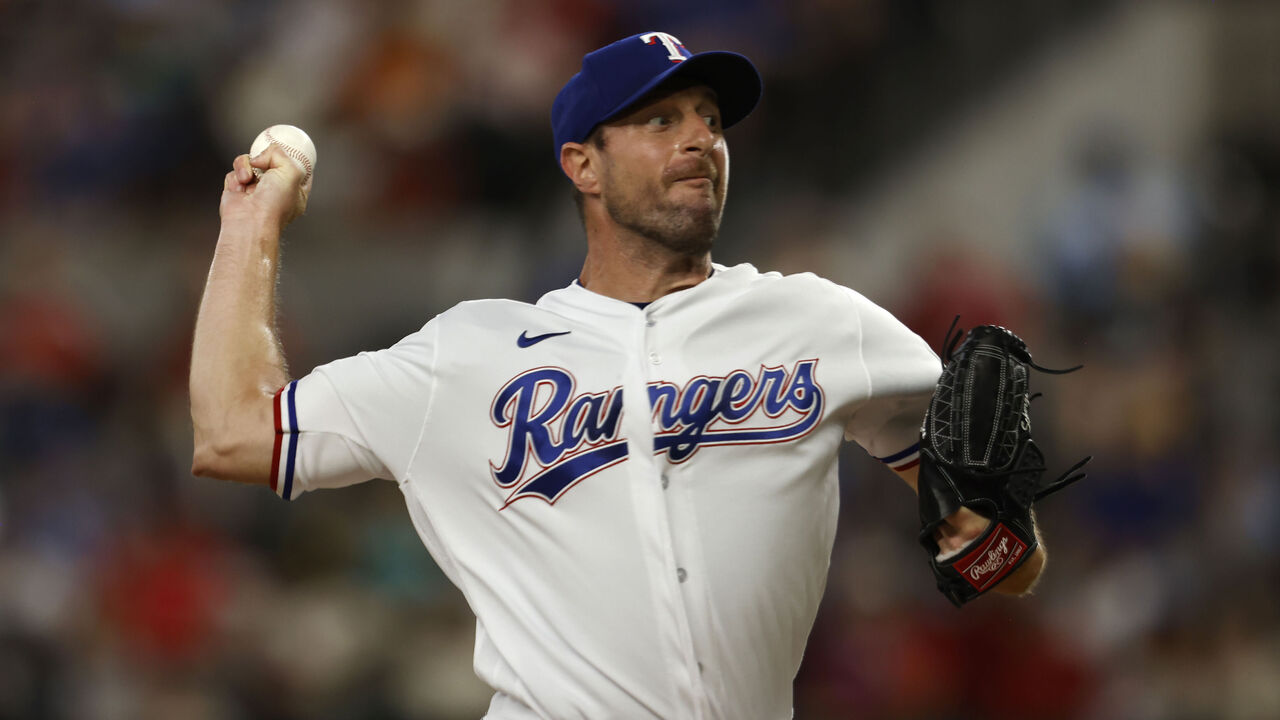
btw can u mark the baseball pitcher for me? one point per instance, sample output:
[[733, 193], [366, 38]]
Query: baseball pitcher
[[632, 481]]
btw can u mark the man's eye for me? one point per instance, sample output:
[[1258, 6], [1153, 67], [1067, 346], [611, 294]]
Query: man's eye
[[712, 120], [658, 121]]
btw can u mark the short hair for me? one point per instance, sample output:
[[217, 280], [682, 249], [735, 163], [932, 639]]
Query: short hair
[[596, 138]]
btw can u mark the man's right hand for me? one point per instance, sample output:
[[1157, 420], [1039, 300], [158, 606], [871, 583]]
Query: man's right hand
[[274, 199]]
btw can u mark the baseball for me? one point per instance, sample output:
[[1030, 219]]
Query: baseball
[[293, 140]]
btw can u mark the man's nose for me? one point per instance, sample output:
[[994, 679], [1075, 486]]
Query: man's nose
[[696, 136]]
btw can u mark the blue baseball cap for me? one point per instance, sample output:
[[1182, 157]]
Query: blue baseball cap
[[617, 75]]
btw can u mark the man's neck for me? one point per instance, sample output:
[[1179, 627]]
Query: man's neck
[[638, 270]]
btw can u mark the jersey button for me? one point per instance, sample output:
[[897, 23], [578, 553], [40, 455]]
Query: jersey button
[[665, 481], [655, 358], [681, 575]]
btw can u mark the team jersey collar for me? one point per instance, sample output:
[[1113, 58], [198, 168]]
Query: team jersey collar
[[576, 299]]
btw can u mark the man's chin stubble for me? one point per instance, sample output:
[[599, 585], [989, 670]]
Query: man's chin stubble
[[683, 232]]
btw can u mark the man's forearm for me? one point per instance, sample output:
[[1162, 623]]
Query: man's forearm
[[236, 361]]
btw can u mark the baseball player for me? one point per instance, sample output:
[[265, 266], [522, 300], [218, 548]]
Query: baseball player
[[632, 481]]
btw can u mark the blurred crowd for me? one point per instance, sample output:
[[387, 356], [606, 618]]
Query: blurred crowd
[[129, 589]]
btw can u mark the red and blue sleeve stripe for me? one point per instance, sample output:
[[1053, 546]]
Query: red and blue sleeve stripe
[[904, 460], [285, 451]]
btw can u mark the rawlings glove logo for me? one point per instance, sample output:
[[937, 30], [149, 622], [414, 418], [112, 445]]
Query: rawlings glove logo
[[572, 436], [995, 558]]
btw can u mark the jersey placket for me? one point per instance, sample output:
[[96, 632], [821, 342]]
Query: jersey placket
[[649, 494], [682, 522]]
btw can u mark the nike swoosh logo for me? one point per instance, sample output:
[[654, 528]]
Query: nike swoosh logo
[[525, 341]]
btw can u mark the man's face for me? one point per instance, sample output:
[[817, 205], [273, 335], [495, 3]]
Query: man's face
[[665, 170]]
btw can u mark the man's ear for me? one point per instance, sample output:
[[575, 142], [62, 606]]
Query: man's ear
[[578, 163]]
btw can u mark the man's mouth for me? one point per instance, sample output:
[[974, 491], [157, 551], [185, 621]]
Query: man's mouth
[[694, 175]]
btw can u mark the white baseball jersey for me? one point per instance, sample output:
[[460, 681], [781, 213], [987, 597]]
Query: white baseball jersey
[[638, 504]]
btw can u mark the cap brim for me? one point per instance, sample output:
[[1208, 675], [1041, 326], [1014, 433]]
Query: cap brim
[[732, 77]]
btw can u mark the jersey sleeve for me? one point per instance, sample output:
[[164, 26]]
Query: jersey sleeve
[[355, 419], [901, 373]]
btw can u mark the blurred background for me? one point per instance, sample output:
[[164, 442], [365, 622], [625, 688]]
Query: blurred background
[[1101, 176]]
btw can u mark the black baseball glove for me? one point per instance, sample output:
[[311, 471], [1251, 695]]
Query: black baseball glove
[[976, 451]]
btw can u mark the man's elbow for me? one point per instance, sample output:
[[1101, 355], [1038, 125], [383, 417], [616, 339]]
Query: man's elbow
[[205, 460], [233, 438], [224, 457]]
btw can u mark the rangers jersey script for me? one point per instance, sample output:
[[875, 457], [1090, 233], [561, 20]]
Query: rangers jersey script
[[638, 503]]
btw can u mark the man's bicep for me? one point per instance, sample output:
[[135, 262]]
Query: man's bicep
[[348, 421], [325, 437], [301, 438], [901, 373], [355, 419]]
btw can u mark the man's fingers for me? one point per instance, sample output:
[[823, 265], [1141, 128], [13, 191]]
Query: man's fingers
[[960, 528], [274, 180], [262, 160], [948, 538], [241, 175], [240, 167], [274, 157]]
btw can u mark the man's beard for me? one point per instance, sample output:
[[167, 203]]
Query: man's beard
[[684, 230]]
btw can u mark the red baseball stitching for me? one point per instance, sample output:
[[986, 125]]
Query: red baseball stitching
[[292, 152]]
